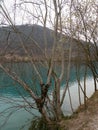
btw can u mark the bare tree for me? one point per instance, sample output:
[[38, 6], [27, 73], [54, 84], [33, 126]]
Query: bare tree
[[49, 104]]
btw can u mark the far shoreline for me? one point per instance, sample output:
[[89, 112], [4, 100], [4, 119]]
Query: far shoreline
[[26, 59]]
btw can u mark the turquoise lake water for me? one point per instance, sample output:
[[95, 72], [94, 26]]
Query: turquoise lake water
[[10, 94]]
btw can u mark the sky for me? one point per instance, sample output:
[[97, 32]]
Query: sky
[[27, 13], [16, 16], [30, 13], [34, 14]]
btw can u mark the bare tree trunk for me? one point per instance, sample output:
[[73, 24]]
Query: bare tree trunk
[[78, 80], [85, 76], [70, 100], [58, 107]]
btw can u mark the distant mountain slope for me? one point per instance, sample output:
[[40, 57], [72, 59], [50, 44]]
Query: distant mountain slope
[[29, 38], [11, 40]]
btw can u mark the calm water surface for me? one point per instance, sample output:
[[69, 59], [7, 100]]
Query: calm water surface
[[10, 94]]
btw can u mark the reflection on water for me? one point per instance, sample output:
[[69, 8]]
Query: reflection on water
[[12, 90], [18, 117], [75, 96], [26, 72]]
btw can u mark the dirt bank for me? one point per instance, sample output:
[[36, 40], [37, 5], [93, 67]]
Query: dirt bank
[[85, 119]]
